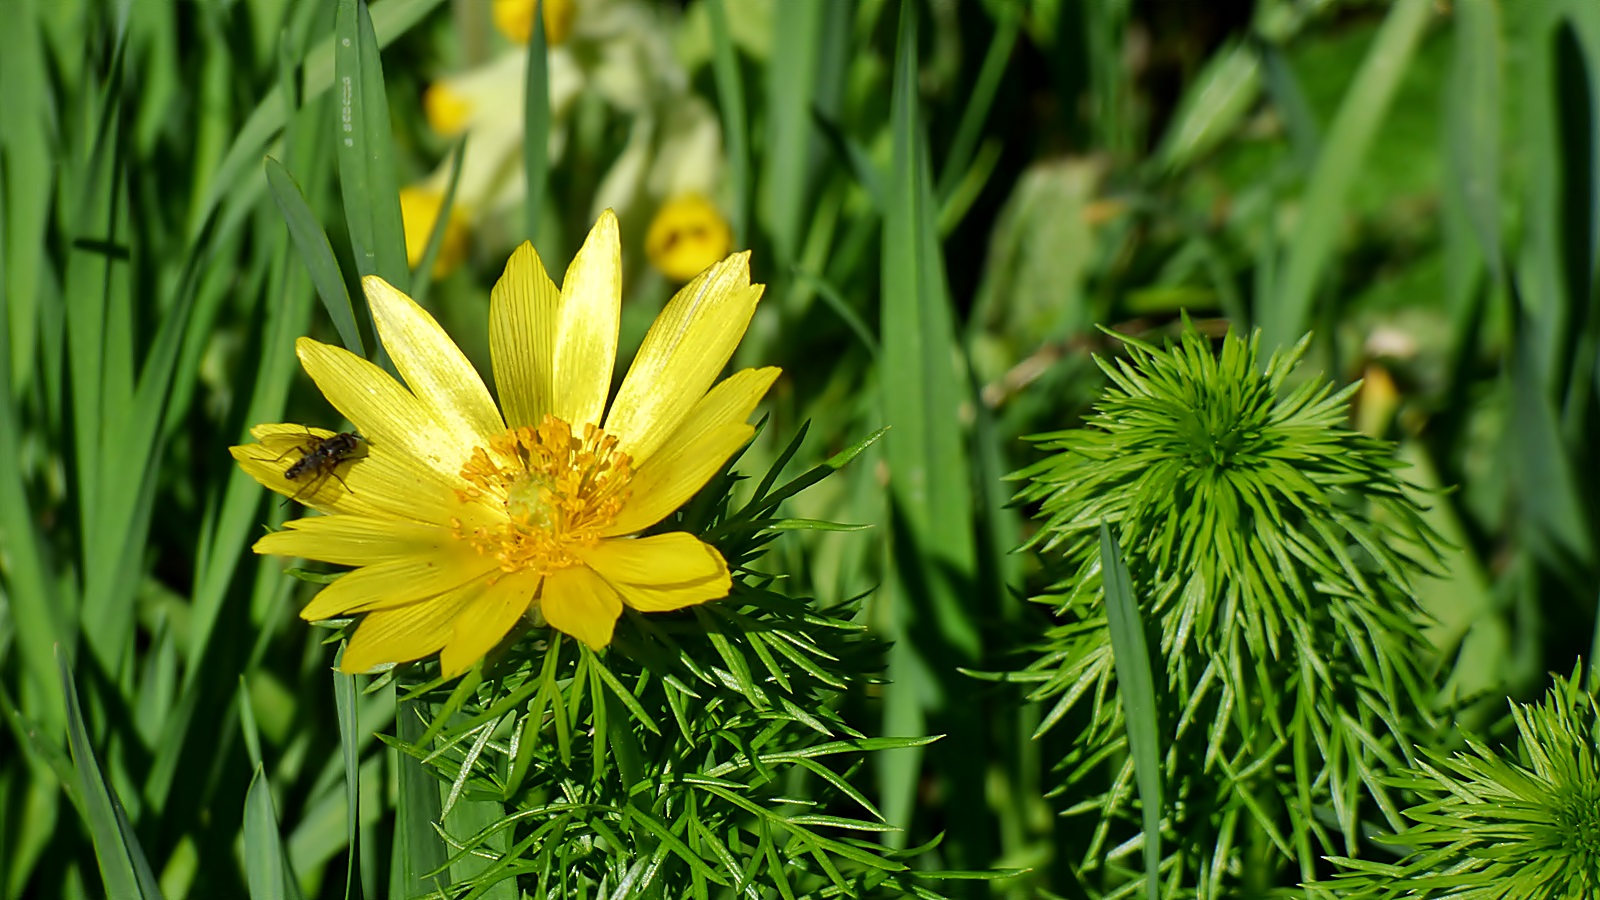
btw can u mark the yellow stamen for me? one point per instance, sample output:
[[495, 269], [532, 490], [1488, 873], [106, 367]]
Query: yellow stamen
[[560, 492]]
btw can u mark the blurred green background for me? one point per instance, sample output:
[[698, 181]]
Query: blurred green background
[[944, 198]]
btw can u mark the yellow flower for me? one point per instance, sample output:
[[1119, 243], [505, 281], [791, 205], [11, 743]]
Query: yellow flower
[[419, 210], [687, 235], [514, 19], [447, 110], [461, 517]]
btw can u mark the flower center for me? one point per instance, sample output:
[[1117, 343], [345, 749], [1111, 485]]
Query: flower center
[[560, 492]]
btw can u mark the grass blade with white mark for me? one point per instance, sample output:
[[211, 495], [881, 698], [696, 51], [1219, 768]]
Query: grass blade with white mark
[[365, 149]]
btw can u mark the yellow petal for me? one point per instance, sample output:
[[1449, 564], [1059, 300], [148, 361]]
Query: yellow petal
[[435, 369], [671, 478], [399, 582], [486, 620], [732, 400], [523, 313], [661, 572], [586, 339], [372, 482], [682, 355], [419, 212], [386, 414], [575, 600], [407, 633], [354, 540]]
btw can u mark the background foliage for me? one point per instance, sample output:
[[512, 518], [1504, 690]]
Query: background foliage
[[944, 198]]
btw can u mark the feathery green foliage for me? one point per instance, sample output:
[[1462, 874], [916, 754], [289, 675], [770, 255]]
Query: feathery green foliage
[[1493, 825], [1273, 551]]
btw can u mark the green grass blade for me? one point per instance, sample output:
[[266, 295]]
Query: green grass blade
[[1285, 312], [984, 88], [344, 702], [316, 253], [26, 155], [930, 502], [735, 130], [1543, 469], [922, 396], [1136, 686], [365, 150], [797, 30], [35, 608], [392, 19], [122, 863], [247, 724], [535, 124], [1221, 96], [266, 863], [422, 278], [1472, 120], [417, 848]]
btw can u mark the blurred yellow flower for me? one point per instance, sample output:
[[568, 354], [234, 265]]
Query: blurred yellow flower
[[514, 19], [687, 235], [447, 110], [620, 52], [462, 517], [419, 210]]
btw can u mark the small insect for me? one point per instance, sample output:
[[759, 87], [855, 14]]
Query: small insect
[[320, 457]]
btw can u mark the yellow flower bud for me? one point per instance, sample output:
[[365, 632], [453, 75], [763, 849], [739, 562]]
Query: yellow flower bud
[[514, 19], [687, 235], [419, 210]]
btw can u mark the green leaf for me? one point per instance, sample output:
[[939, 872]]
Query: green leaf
[[417, 847], [1136, 688], [984, 89], [311, 242], [422, 278], [730, 100], [393, 18], [344, 704], [365, 150], [1212, 106], [266, 865], [1285, 311], [929, 485], [1472, 110], [122, 863]]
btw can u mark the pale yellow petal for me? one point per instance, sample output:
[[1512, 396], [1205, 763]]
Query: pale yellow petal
[[387, 415], [399, 582], [669, 479], [372, 481], [682, 355], [731, 401], [407, 633], [354, 540], [661, 572], [435, 369], [578, 602], [586, 339], [486, 620], [523, 313]]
